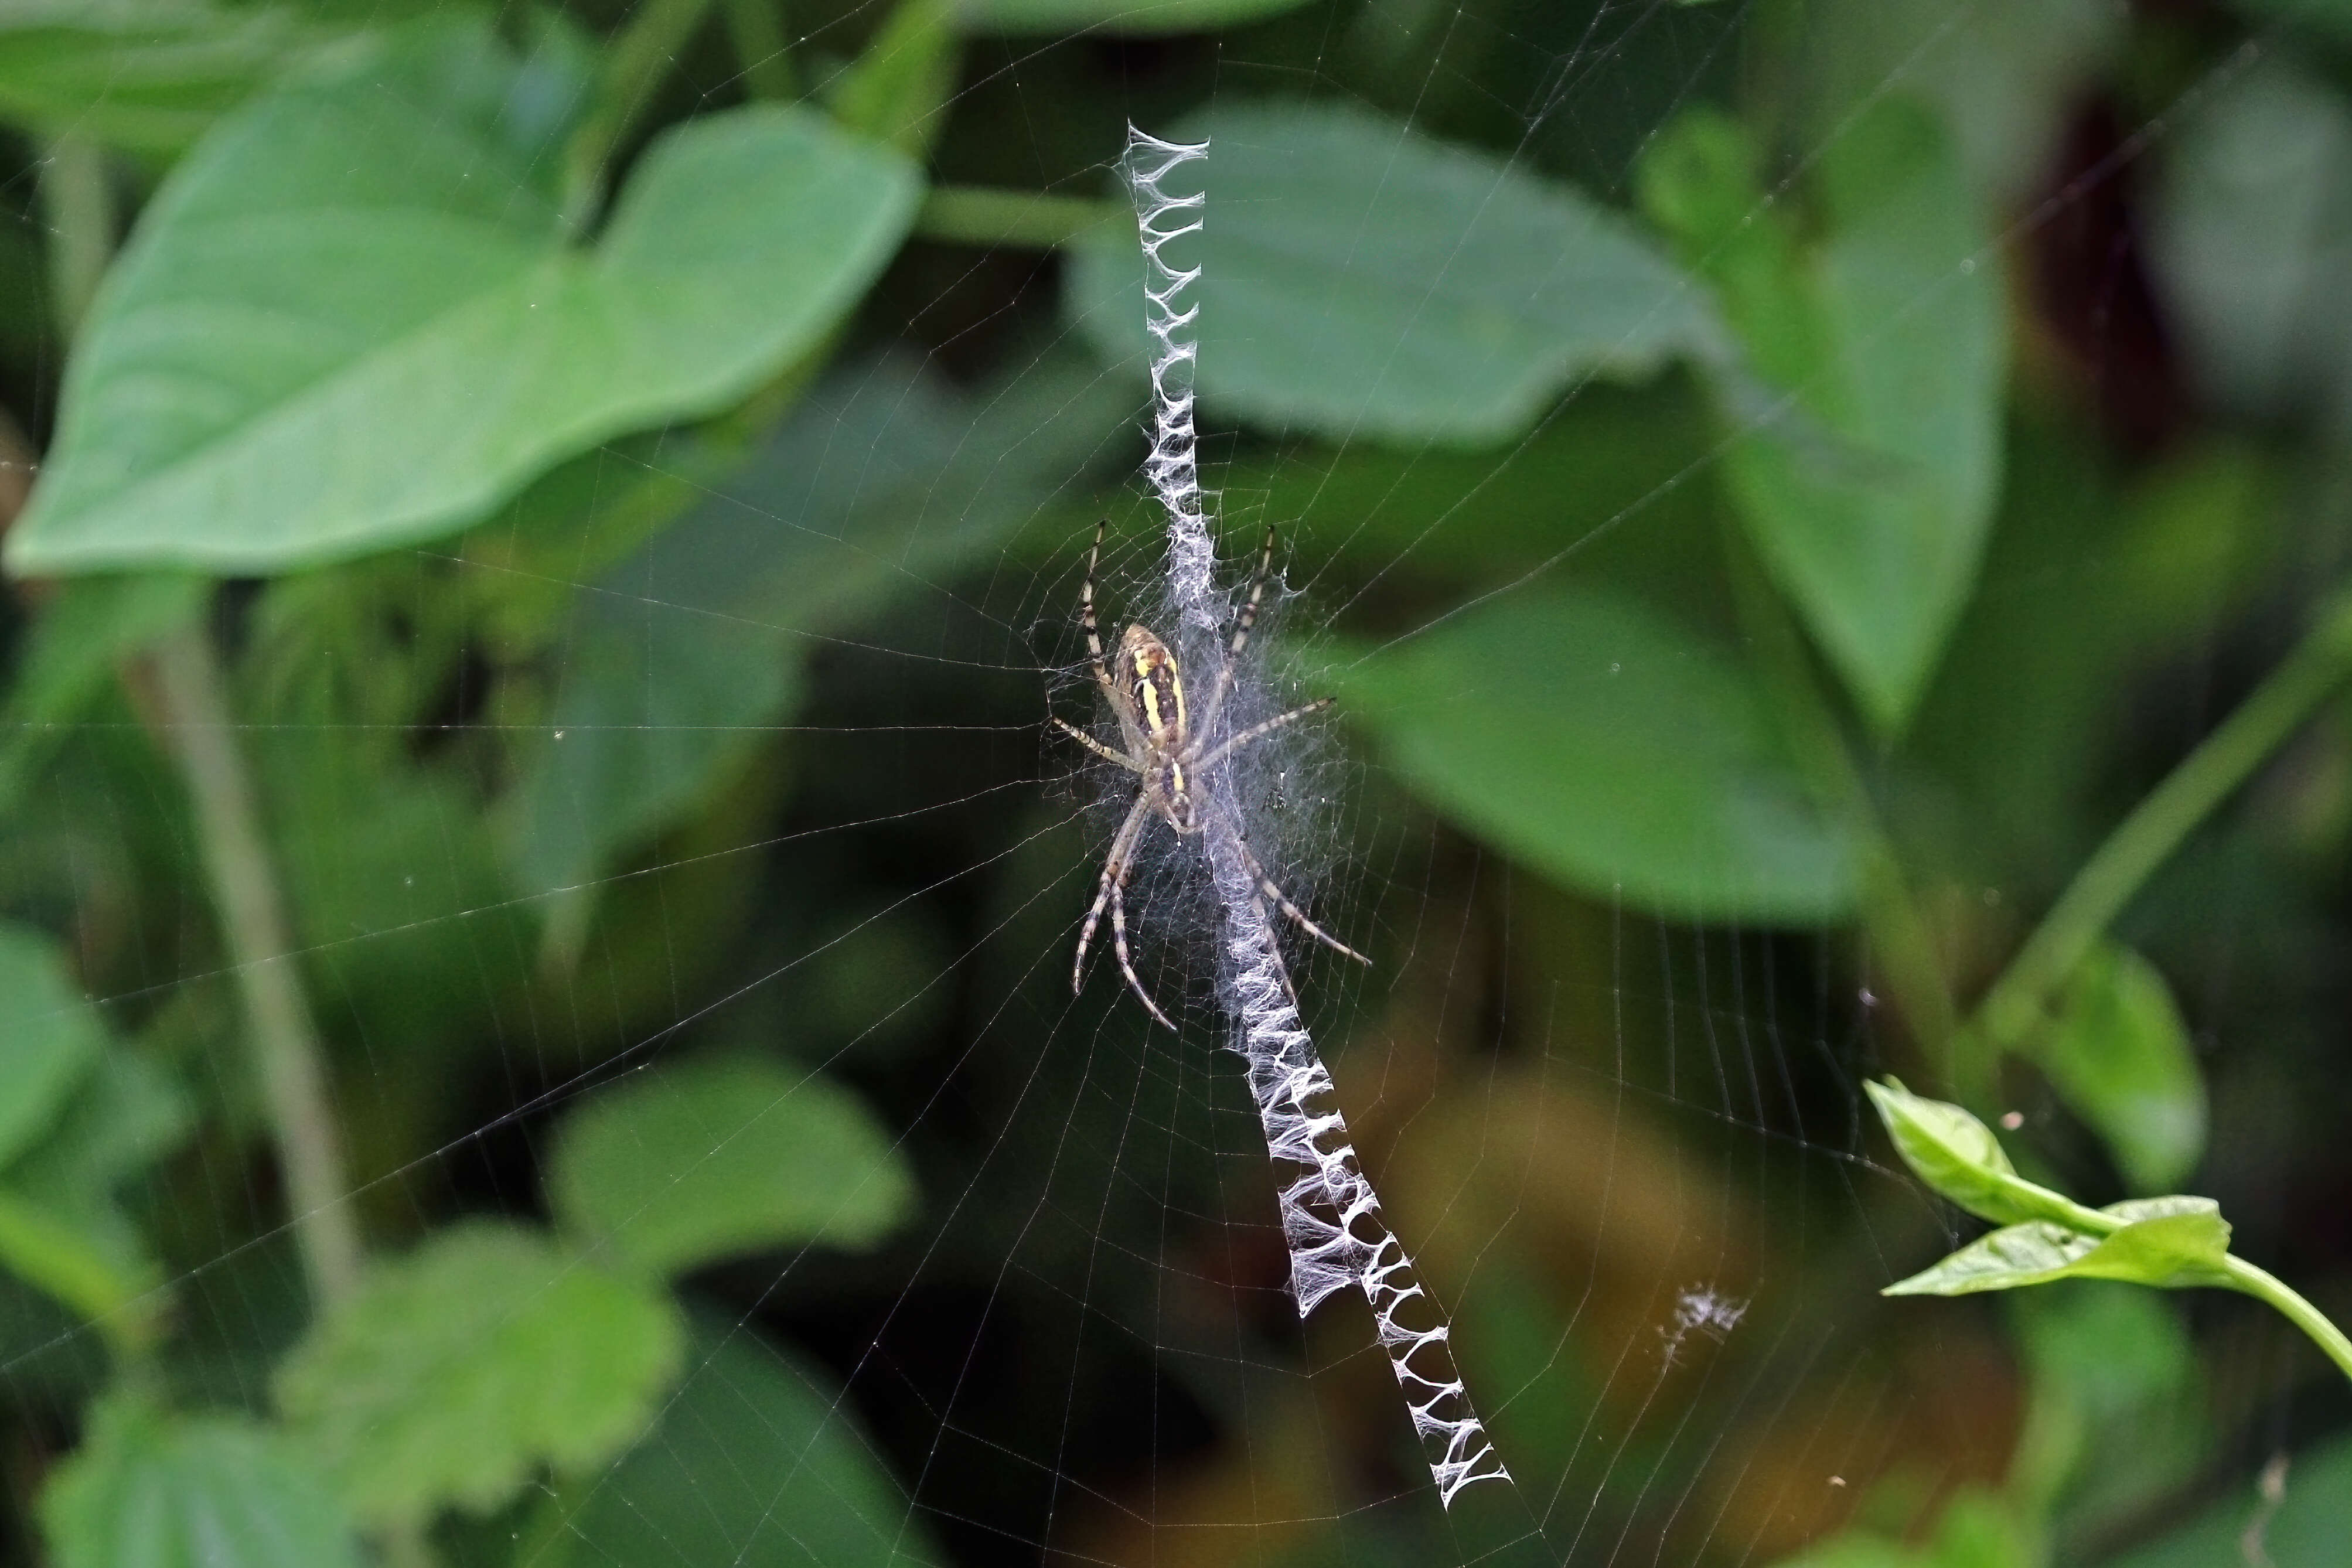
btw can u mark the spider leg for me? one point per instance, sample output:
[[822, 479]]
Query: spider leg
[[1114, 872], [1258, 731], [1297, 916], [1243, 624], [1096, 747], [1086, 615], [1119, 946]]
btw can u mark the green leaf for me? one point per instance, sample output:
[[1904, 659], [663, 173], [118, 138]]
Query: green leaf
[[699, 1161], [460, 1370], [2306, 1526], [350, 320], [1364, 282], [1957, 1155], [680, 660], [148, 76], [49, 1036], [2169, 1242], [1867, 412], [1597, 742], [898, 90], [2120, 1058], [151, 1490], [1118, 18], [756, 1463]]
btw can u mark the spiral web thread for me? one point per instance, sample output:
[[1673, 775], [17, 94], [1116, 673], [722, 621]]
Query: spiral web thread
[[1330, 1216]]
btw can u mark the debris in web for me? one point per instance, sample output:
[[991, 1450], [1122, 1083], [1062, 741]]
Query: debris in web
[[1330, 1214]]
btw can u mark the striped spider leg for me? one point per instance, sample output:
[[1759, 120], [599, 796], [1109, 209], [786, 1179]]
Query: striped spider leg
[[1169, 755]]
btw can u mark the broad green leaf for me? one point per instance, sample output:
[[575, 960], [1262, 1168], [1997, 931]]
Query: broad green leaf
[[1119, 18], [755, 1463], [460, 1371], [1866, 412], [350, 321], [2306, 1527], [1596, 742], [148, 76], [2166, 1242], [2119, 1056], [2252, 235], [49, 1036], [148, 1490], [1364, 282], [698, 1160], [675, 664], [1957, 1155]]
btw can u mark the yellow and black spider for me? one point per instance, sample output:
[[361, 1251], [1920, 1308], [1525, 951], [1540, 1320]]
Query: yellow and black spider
[[1172, 757]]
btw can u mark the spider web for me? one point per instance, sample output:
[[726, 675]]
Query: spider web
[[1627, 1150]]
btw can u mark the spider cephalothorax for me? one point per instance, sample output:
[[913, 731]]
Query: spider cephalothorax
[[1172, 756]]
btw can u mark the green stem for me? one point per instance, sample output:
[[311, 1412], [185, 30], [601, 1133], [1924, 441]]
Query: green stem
[[1027, 220], [188, 683], [1904, 950], [2013, 1009], [79, 206], [760, 49], [636, 66], [2262, 1284]]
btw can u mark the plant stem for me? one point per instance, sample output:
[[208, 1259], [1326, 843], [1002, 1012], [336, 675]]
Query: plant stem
[[79, 208], [2013, 1009], [187, 682], [2262, 1283], [1027, 220], [760, 49], [1904, 950], [635, 65]]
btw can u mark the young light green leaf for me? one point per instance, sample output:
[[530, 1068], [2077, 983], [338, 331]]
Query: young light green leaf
[[756, 1463], [1595, 741], [462, 1369], [351, 320], [2165, 1242], [1866, 408], [1366, 283], [151, 1490], [1116, 18], [2119, 1057], [49, 1037], [1957, 1155], [701, 1160]]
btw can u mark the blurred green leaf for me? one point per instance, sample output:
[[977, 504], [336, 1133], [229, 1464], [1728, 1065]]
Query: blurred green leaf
[[2116, 1418], [55, 1252], [1957, 1156], [898, 89], [461, 1368], [1118, 18], [1597, 742], [755, 1463], [698, 1160], [52, 1037], [2306, 1527], [151, 1490], [1364, 282], [83, 631], [678, 662], [148, 76], [2252, 235], [376, 333], [2166, 1242], [2120, 1058], [1867, 412]]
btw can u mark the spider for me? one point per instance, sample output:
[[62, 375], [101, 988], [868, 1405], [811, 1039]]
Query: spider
[[1172, 756]]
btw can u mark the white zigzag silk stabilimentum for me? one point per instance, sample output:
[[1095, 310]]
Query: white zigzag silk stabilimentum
[[1330, 1214]]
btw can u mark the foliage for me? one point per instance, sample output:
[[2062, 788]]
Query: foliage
[[1731, 521]]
